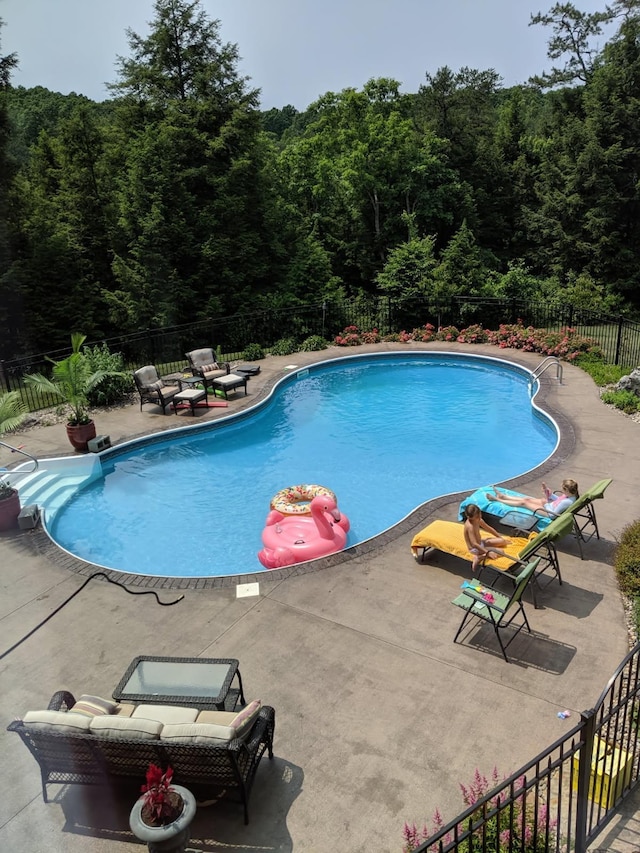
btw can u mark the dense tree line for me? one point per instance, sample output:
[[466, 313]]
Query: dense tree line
[[178, 199]]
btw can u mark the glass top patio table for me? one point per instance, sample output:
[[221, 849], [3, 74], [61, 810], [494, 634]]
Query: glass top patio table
[[200, 682]]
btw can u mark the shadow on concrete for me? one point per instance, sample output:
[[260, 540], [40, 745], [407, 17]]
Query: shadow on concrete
[[570, 599], [102, 811], [532, 651]]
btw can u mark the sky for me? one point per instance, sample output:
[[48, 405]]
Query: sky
[[294, 51]]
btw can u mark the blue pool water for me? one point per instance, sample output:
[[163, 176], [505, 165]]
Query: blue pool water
[[386, 433]]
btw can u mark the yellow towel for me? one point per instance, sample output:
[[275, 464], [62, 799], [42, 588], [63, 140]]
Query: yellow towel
[[448, 536]]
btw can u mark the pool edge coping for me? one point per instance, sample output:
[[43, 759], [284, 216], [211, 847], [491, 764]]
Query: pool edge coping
[[44, 545]]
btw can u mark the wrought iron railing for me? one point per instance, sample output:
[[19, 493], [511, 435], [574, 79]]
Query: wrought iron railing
[[564, 797], [618, 337]]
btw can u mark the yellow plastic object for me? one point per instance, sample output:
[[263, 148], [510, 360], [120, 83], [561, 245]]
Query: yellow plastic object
[[611, 770]]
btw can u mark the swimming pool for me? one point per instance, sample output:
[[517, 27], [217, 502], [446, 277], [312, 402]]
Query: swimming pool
[[385, 432]]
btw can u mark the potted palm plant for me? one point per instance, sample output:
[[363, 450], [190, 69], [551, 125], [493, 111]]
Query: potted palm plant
[[163, 814], [12, 413], [71, 381]]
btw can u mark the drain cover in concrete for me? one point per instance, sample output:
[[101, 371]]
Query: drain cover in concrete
[[245, 590]]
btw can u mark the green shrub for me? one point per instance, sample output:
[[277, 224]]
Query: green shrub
[[626, 401], [313, 344], [112, 389], [285, 346], [601, 372], [253, 352], [626, 560]]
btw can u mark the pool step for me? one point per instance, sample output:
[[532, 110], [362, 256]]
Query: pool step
[[50, 490], [55, 482]]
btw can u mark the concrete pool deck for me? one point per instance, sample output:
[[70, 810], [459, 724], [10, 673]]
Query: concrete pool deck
[[379, 716]]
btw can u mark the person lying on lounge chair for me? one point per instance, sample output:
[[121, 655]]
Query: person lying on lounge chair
[[478, 547], [551, 504]]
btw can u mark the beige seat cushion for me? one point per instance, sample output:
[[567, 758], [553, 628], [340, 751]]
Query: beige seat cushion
[[124, 709], [117, 728], [165, 713], [230, 379], [62, 721], [205, 733], [218, 718]]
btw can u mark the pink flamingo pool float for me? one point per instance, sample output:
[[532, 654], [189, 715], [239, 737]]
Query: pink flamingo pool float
[[290, 539]]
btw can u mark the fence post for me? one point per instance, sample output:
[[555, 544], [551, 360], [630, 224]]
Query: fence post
[[619, 340], [584, 779]]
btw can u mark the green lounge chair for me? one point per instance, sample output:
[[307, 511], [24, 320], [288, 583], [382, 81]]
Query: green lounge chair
[[585, 524], [541, 546], [499, 610]]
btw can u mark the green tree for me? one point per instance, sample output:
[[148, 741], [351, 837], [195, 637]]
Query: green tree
[[586, 216], [408, 271], [195, 237], [462, 268], [356, 168], [573, 34], [66, 218], [10, 301]]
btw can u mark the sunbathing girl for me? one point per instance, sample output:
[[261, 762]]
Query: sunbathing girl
[[479, 547], [551, 504]]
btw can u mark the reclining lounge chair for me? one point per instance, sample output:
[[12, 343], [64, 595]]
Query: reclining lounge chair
[[152, 389], [448, 537], [585, 524]]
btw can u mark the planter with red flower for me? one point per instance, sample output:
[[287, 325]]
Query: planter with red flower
[[163, 814]]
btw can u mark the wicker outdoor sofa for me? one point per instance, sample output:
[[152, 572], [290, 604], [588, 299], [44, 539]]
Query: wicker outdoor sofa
[[201, 746]]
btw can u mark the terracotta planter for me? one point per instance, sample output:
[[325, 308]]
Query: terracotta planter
[[9, 511], [172, 838], [80, 435]]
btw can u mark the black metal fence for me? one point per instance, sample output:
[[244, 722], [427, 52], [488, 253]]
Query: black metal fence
[[618, 337], [565, 796]]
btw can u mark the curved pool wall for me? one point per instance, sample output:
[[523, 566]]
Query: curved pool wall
[[107, 458]]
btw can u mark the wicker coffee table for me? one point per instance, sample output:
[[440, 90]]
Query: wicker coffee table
[[203, 683]]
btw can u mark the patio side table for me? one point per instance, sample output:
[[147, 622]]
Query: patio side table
[[203, 683]]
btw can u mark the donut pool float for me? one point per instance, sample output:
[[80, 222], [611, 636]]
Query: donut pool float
[[296, 500]]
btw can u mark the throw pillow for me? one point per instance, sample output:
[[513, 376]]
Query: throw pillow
[[244, 719], [209, 368], [93, 706]]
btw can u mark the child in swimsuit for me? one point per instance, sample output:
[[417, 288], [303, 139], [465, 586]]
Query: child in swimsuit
[[477, 546], [551, 504]]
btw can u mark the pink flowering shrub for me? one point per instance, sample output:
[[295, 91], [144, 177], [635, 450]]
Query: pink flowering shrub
[[565, 344], [350, 337], [447, 333], [518, 826], [424, 334], [473, 335]]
